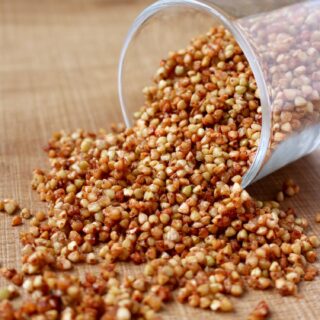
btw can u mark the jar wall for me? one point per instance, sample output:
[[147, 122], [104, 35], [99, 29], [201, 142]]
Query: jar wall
[[287, 44]]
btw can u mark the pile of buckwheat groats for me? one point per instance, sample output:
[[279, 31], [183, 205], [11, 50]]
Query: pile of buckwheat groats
[[167, 193]]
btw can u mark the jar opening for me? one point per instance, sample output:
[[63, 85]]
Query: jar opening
[[231, 24]]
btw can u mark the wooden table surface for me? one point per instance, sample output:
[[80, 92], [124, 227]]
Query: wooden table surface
[[58, 63]]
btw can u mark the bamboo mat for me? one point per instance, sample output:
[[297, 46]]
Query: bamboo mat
[[58, 61]]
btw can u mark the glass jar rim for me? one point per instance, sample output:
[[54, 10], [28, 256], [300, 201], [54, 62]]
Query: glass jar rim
[[231, 24]]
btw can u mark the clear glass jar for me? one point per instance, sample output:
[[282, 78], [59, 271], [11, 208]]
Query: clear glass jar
[[282, 46]]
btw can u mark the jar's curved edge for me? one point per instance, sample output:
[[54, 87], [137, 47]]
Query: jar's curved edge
[[231, 24]]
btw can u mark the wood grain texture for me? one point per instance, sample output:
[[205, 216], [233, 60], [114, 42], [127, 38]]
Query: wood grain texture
[[58, 62]]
